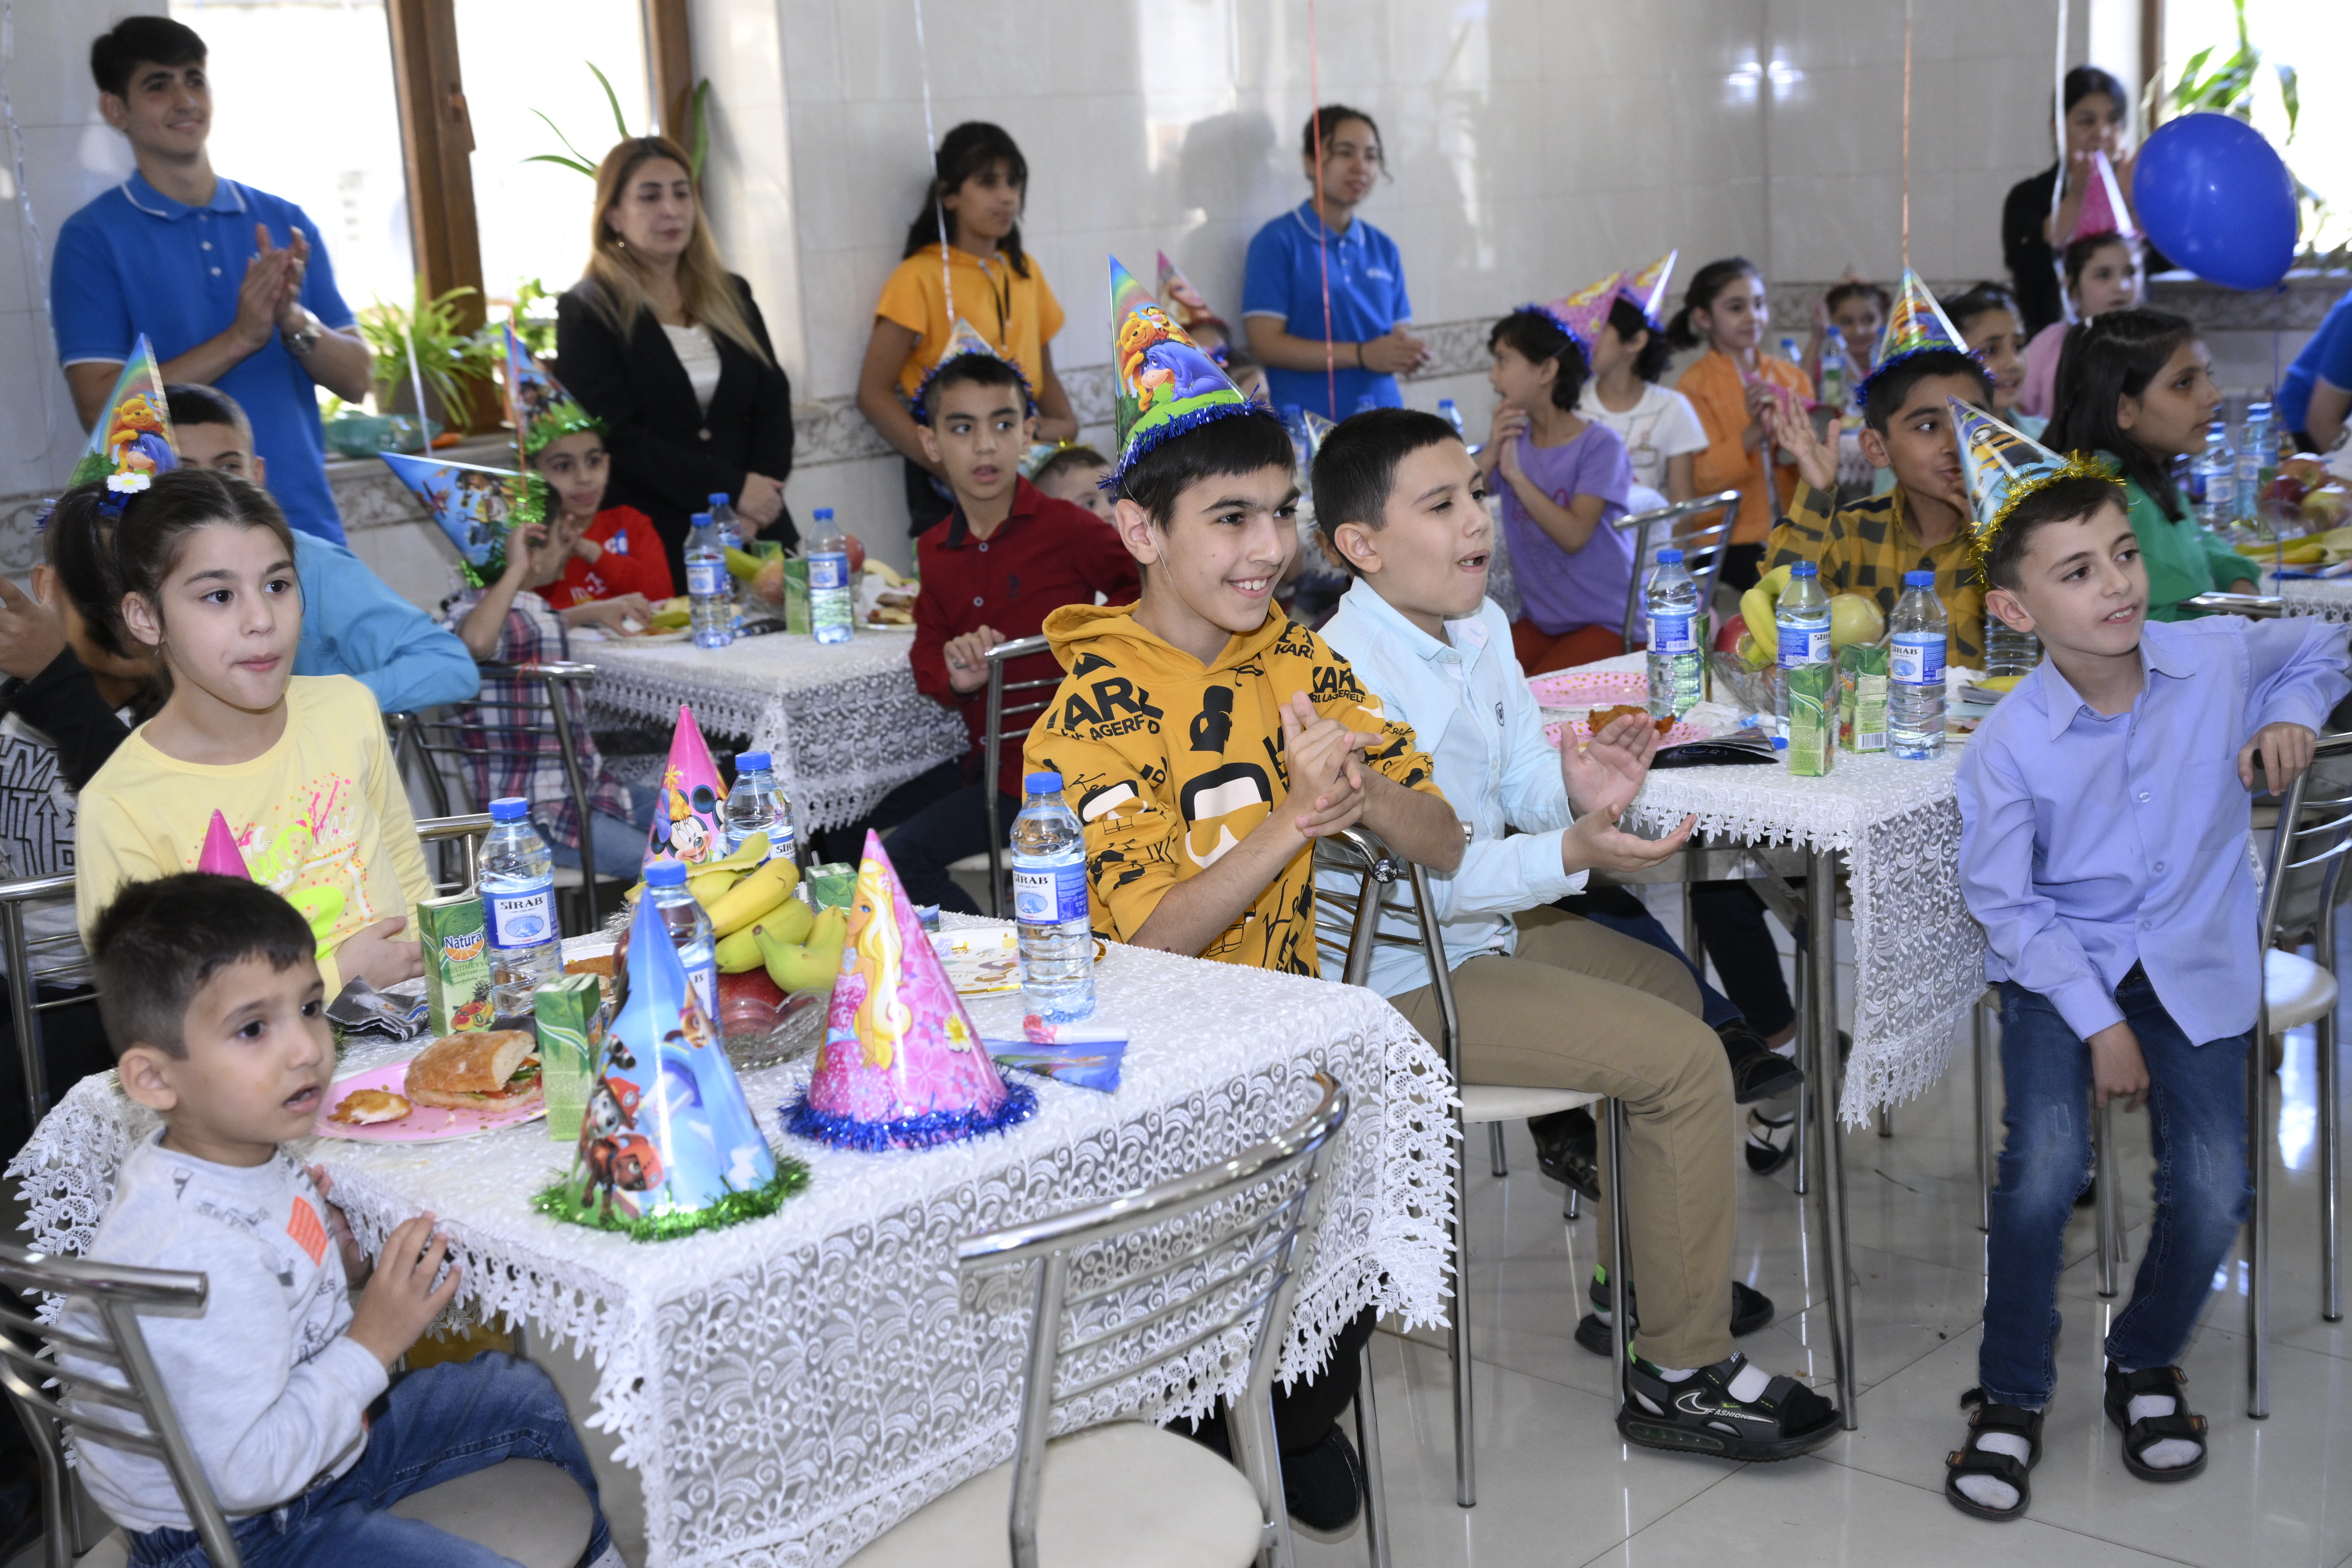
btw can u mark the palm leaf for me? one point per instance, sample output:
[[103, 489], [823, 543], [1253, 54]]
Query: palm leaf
[[701, 147], [2290, 94], [572, 163]]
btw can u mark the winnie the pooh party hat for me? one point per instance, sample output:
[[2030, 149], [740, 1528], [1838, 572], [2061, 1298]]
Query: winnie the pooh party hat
[[476, 507], [901, 1066], [686, 808], [1163, 384], [132, 441]]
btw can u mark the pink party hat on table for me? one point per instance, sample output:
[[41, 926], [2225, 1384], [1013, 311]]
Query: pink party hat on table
[[901, 1066], [2105, 210], [1580, 314], [219, 856], [686, 811], [1647, 289]]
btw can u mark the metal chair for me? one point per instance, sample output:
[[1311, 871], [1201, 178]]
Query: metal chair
[[992, 748], [1712, 539], [1207, 1261], [540, 1516], [463, 734], [1356, 851], [2257, 606]]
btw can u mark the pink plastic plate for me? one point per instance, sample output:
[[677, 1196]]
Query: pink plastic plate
[[1683, 731], [1589, 688], [426, 1124]]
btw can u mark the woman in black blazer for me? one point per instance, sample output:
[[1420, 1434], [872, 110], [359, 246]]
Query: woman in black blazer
[[667, 347]]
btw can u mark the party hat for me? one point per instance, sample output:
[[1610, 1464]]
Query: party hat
[[1164, 385], [667, 1144], [476, 507], [1182, 302], [537, 405], [964, 340], [1916, 325], [686, 808], [132, 441], [2105, 210], [1647, 289], [1580, 314], [1317, 428], [220, 856], [901, 1066], [2005, 465]]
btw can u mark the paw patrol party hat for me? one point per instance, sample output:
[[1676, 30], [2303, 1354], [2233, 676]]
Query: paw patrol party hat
[[1580, 314], [132, 441], [1164, 384], [537, 405], [687, 808], [901, 1066], [1647, 289], [667, 1144], [2003, 466], [220, 855], [476, 507], [1915, 325]]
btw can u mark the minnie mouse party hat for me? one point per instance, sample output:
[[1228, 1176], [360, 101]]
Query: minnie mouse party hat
[[687, 809]]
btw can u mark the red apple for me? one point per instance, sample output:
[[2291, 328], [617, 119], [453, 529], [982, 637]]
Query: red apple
[[1726, 641], [857, 552], [748, 1002]]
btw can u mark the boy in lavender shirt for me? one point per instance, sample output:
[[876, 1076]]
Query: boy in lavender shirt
[[2103, 817], [1564, 484]]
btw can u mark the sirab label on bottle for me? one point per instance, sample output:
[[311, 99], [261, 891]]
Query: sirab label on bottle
[[524, 918], [1916, 659], [702, 577], [1050, 895], [704, 978], [828, 571], [1801, 646], [1671, 633]]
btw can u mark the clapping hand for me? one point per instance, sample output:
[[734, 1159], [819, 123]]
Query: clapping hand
[[1595, 843], [1815, 455], [1325, 776], [1607, 772], [294, 265]]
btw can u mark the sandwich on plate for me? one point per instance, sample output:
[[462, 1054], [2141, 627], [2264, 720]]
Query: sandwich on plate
[[476, 1070]]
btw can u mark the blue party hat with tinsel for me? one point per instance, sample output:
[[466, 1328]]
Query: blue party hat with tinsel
[[1916, 325]]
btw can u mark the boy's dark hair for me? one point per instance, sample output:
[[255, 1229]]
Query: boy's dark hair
[[2079, 253], [1325, 122], [1855, 290], [2072, 497], [966, 151], [1626, 316], [156, 40], [188, 403], [1356, 467], [1237, 443], [2101, 362], [1068, 458], [1536, 337], [158, 942], [1706, 284], [1891, 385], [968, 369], [1979, 300]]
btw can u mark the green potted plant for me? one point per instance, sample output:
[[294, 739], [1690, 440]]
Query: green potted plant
[[452, 368]]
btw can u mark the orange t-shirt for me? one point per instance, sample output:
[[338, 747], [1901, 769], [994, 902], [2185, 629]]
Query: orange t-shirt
[[1720, 396], [1017, 315]]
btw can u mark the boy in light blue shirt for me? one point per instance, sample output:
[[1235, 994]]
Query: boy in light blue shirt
[[2105, 816], [1545, 998]]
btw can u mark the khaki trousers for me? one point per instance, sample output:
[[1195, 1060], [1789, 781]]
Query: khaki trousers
[[1581, 1007]]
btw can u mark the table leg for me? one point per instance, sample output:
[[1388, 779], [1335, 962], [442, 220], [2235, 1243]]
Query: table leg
[[1821, 1075], [1368, 1444]]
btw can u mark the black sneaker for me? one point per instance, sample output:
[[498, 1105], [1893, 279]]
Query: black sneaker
[[1758, 1071], [1323, 1487], [1698, 1414], [1750, 1310], [1568, 1149]]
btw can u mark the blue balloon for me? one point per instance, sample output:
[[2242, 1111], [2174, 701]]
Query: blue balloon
[[2216, 199]]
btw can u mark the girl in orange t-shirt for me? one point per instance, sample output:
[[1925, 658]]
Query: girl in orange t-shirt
[[1732, 386]]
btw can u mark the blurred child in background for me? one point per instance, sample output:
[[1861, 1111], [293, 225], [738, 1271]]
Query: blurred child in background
[[1659, 428], [2102, 275], [1857, 308], [608, 552], [1735, 386], [1074, 474], [1989, 324]]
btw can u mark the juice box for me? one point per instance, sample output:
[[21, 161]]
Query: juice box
[[833, 885], [796, 595], [569, 1014], [457, 942], [1812, 719], [1862, 698]]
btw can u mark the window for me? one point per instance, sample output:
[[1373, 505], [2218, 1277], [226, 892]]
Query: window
[[2316, 40]]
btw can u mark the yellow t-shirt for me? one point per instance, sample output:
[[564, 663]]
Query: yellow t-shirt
[[1017, 315], [320, 817]]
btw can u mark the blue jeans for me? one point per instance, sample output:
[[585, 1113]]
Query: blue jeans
[[441, 1423], [2197, 1126], [619, 843]]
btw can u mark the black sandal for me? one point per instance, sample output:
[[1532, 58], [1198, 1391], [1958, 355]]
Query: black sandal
[[2148, 1430], [1986, 1418]]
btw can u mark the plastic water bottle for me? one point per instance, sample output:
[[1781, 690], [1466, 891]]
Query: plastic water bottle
[[1833, 368], [1049, 902], [2007, 650], [755, 805], [1915, 667], [709, 591], [690, 929], [1450, 414], [828, 567], [1301, 449], [722, 518], [1802, 621], [2246, 503], [1676, 664], [1790, 352], [518, 884], [2211, 477]]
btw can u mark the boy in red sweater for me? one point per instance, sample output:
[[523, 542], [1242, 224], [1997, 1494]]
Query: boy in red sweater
[[613, 552]]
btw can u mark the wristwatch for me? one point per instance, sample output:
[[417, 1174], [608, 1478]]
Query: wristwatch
[[300, 344]]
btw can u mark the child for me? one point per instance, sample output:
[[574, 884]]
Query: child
[[511, 621], [2102, 275], [282, 1384], [298, 764], [363, 629], [2138, 388], [608, 552], [1074, 474], [2103, 846], [1732, 386], [1564, 485], [1659, 427], [1989, 324], [1005, 558], [980, 184], [1857, 308]]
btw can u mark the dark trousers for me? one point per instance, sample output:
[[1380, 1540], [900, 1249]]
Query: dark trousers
[[1731, 925], [931, 821], [1307, 1410]]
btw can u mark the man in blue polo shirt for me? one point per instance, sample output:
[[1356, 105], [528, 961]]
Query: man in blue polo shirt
[[224, 279], [1366, 346]]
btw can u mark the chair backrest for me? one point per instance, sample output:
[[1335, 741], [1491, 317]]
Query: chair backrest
[[1023, 711], [1181, 1268], [66, 964], [1703, 544], [1359, 851], [464, 832], [122, 1405], [2308, 849]]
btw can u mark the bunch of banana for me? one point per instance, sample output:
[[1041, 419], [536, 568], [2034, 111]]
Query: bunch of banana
[[2292, 553], [802, 952]]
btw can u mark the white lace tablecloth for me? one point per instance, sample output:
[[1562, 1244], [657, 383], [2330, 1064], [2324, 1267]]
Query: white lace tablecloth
[[844, 720], [2327, 598], [792, 1387], [1919, 955]]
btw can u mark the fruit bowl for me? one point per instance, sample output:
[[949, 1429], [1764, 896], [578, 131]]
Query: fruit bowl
[[1589, 688]]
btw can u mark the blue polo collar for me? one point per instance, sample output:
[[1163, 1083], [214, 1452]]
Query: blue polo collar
[[1308, 220], [228, 197]]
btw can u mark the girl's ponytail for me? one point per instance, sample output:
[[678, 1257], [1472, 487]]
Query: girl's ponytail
[[1706, 284], [1679, 332]]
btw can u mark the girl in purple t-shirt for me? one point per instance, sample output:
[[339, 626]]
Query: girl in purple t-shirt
[[1564, 483]]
